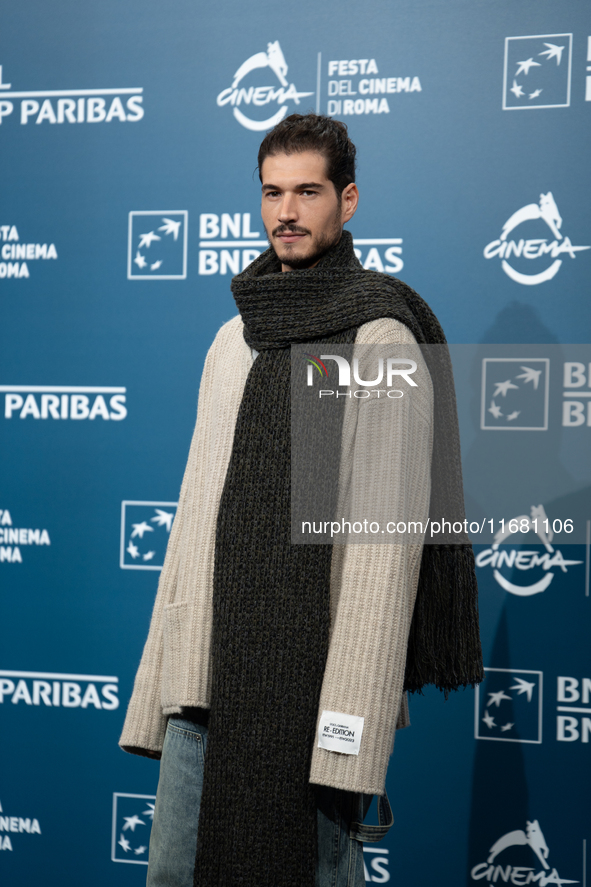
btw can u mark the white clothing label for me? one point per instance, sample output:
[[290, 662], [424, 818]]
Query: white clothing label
[[339, 732]]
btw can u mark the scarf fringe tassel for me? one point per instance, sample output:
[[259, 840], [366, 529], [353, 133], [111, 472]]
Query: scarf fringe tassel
[[444, 642]]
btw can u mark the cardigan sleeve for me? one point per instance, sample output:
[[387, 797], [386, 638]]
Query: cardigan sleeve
[[145, 723], [373, 586]]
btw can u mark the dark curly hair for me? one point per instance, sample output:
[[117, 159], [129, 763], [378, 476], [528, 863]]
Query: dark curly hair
[[314, 132]]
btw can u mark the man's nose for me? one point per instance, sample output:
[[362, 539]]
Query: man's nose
[[288, 209]]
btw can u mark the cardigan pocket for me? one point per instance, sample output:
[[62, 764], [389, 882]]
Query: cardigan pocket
[[175, 658]]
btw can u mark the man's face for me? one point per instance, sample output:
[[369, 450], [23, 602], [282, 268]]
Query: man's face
[[302, 215]]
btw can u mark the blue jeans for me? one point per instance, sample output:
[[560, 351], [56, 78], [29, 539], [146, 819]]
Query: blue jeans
[[176, 815]]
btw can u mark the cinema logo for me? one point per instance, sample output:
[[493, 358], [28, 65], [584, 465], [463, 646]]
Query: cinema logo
[[71, 105], [12, 538], [544, 564], [520, 252], [246, 92], [535, 851], [64, 402], [16, 825], [12, 252], [59, 690]]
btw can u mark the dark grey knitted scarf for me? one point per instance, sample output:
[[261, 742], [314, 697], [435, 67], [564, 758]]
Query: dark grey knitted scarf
[[257, 824]]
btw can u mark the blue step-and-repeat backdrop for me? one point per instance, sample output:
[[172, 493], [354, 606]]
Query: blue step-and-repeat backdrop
[[129, 136]]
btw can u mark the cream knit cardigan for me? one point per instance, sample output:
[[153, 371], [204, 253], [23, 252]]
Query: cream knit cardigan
[[373, 587]]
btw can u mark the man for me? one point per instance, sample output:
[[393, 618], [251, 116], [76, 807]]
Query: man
[[254, 639]]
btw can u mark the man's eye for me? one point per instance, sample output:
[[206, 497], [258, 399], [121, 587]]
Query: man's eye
[[272, 193], [309, 193]]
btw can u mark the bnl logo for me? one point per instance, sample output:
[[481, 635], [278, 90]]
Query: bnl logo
[[145, 531], [157, 245], [131, 828], [537, 72], [508, 706], [515, 394]]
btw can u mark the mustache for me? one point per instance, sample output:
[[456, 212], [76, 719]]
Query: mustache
[[289, 229]]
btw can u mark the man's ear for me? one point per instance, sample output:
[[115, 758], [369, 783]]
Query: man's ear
[[349, 201]]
